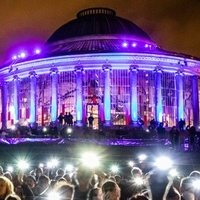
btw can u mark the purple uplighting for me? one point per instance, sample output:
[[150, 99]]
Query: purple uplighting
[[124, 44], [134, 44], [146, 45], [22, 55]]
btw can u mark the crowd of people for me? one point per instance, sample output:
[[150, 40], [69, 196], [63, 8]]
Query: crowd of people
[[84, 183]]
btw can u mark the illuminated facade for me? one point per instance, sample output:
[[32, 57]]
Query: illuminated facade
[[103, 65]]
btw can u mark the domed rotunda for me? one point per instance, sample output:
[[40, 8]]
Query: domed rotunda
[[102, 65]]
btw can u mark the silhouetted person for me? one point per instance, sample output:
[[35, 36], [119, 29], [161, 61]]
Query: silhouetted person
[[192, 134], [174, 137], [70, 117], [60, 119], [181, 125], [90, 120], [66, 118]]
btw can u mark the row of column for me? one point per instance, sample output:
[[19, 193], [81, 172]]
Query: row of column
[[107, 96]]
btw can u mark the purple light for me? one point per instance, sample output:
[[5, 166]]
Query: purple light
[[146, 45], [134, 44], [124, 44], [37, 51], [14, 57]]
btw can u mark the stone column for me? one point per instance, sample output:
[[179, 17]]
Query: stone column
[[16, 94], [79, 95], [133, 95], [195, 101], [107, 97], [158, 96], [54, 95], [4, 98], [33, 85], [179, 95]]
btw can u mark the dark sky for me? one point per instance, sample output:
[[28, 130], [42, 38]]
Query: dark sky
[[173, 24]]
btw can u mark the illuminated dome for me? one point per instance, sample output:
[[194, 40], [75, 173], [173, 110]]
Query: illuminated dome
[[97, 21]]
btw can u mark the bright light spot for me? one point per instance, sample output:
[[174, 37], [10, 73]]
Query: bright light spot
[[134, 44], [69, 130], [196, 184], [164, 163], [52, 163], [90, 159], [41, 165], [13, 127], [131, 163], [147, 130], [22, 55], [37, 51], [138, 181], [69, 168], [142, 157], [23, 164], [44, 129], [114, 168], [146, 45], [25, 123], [10, 168], [14, 57], [125, 44], [173, 172], [53, 195]]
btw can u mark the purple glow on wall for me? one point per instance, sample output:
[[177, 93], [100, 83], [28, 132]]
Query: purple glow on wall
[[22, 55], [146, 45], [14, 57], [125, 44]]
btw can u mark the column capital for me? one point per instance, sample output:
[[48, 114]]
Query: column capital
[[134, 68], [53, 70], [32, 74], [179, 72], [158, 69], [107, 67], [16, 77], [79, 68]]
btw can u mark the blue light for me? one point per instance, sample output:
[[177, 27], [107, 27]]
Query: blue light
[[54, 102]]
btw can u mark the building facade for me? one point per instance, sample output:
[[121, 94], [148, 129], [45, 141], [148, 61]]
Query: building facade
[[103, 65]]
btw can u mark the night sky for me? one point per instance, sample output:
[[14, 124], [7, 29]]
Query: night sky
[[173, 25]]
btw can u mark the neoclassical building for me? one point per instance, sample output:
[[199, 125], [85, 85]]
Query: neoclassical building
[[103, 65]]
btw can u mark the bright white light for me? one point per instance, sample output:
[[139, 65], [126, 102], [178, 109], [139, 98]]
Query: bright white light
[[147, 130], [114, 168], [138, 181], [22, 164], [13, 127], [146, 45], [131, 163], [44, 129], [37, 51], [173, 172], [41, 165], [22, 55], [53, 195], [25, 123], [142, 157], [196, 184], [90, 159], [134, 44], [52, 163], [164, 163], [125, 44], [10, 168], [69, 168], [69, 130], [14, 57]]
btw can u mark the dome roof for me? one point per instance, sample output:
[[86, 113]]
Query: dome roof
[[97, 21]]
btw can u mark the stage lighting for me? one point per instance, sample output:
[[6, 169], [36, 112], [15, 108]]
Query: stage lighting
[[69, 130], [173, 173], [44, 129], [53, 196], [138, 181], [13, 127], [41, 165], [69, 168], [142, 157], [131, 163], [23, 164], [52, 163], [163, 163], [196, 184], [114, 168], [90, 159], [10, 168]]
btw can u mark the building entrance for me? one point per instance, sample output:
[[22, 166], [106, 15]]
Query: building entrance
[[93, 109]]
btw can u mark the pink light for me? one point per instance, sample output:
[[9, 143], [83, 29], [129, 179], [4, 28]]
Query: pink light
[[134, 44], [125, 44], [37, 51], [146, 45], [14, 57]]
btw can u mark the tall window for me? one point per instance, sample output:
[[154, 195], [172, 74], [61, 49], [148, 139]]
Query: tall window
[[120, 97]]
